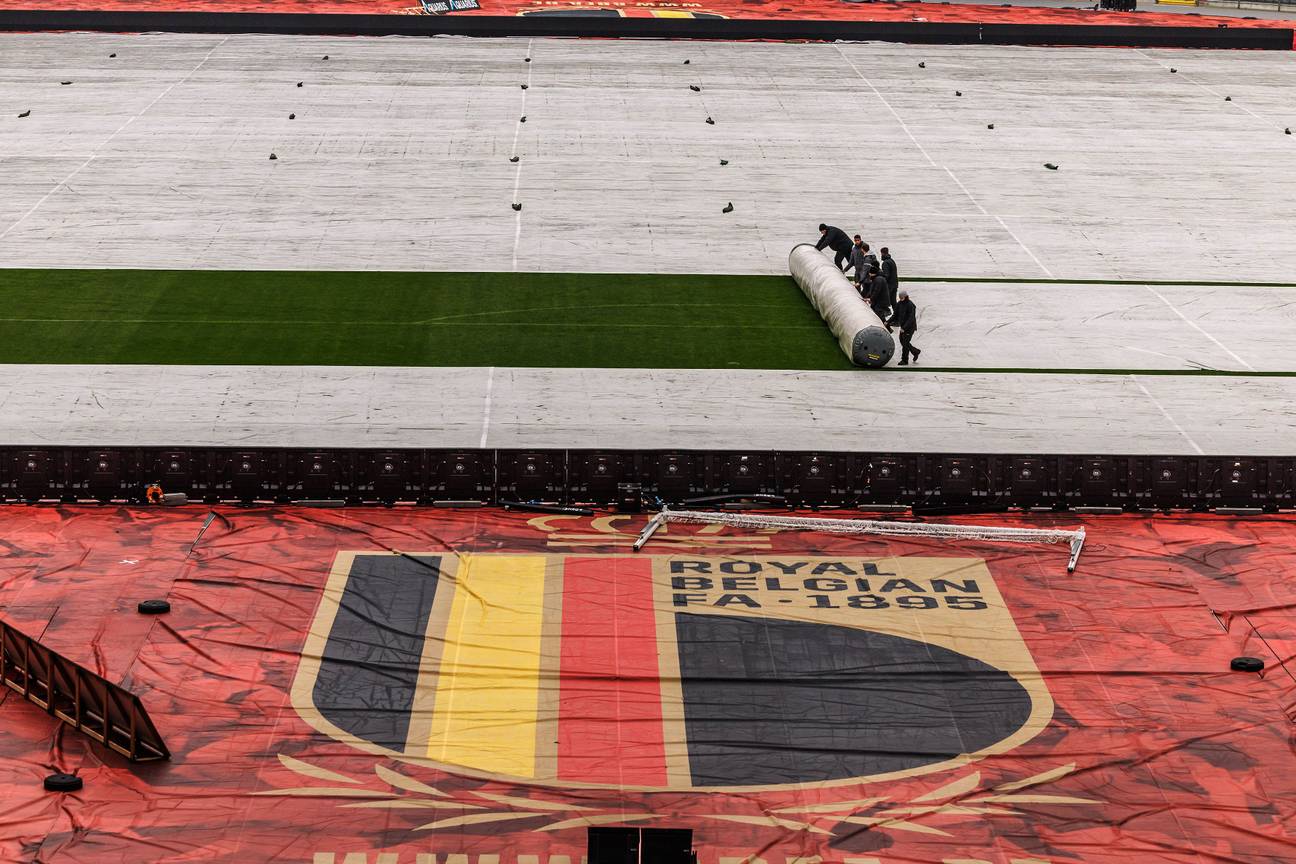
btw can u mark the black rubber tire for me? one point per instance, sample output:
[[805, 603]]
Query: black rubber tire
[[63, 783], [1246, 664], [153, 607]]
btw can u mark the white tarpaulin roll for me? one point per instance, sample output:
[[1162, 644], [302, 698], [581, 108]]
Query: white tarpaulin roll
[[859, 331]]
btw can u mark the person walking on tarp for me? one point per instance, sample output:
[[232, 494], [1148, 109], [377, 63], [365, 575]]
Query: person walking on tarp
[[836, 240], [906, 318], [891, 273], [879, 294]]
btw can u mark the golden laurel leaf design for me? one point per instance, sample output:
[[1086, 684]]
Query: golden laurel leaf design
[[1043, 777], [409, 784], [953, 789], [313, 771], [1036, 799], [958, 798], [832, 806], [766, 820], [946, 809], [326, 792], [533, 803], [476, 819], [893, 823], [603, 819], [415, 803]]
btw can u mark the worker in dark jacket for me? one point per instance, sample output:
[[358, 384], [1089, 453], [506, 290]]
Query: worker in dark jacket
[[891, 273], [870, 260], [836, 240], [906, 318], [879, 295], [860, 264], [866, 259]]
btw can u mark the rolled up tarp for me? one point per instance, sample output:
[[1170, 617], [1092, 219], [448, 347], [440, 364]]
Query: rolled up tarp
[[859, 331]]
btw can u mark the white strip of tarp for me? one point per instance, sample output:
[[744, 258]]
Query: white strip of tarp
[[935, 412]]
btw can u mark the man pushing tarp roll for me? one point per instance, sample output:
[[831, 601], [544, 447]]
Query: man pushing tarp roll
[[859, 331]]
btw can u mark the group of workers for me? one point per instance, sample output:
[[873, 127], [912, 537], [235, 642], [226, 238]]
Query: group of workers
[[878, 283]]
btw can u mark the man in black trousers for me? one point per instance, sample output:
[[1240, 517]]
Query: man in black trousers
[[906, 318], [836, 240], [891, 273], [879, 296]]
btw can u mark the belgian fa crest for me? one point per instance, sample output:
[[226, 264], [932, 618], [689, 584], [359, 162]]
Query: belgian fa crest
[[671, 672]]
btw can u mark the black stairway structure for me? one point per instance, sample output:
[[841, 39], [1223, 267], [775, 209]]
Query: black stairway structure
[[78, 697], [489, 476]]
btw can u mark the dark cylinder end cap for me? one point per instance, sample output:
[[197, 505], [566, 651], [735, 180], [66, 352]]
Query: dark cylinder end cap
[[153, 607], [1246, 664], [63, 783]]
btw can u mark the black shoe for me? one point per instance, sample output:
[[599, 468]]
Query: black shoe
[[903, 363], [915, 355]]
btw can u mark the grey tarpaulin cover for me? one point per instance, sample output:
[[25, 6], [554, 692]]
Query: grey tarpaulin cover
[[858, 329]]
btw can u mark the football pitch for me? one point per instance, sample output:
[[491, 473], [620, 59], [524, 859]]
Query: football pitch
[[411, 319], [558, 320]]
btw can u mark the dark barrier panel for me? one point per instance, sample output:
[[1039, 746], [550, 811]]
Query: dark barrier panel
[[602, 477], [30, 20], [80, 698], [1145, 37]]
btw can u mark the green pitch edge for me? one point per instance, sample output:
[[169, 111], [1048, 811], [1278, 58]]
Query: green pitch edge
[[1015, 280], [206, 317], [409, 319], [1011, 370]]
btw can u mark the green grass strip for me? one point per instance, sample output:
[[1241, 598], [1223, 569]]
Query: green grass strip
[[410, 319], [207, 317]]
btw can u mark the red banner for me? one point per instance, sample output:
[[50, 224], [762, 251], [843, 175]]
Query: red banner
[[829, 10], [434, 687]]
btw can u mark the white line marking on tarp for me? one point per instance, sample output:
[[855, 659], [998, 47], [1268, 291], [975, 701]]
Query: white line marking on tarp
[[108, 140], [1197, 327], [930, 160], [1210, 90], [1001, 222], [882, 98], [1166, 415], [486, 406]]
